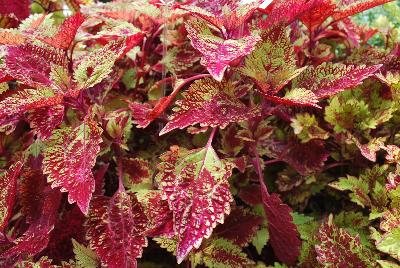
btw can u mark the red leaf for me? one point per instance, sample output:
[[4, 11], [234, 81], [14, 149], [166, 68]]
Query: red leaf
[[115, 229], [20, 9], [284, 236], [217, 52], [28, 99], [31, 64], [31, 193], [329, 79], [313, 155], [8, 186], [45, 120], [66, 33], [69, 157], [286, 11], [159, 215], [209, 103], [36, 238], [69, 225], [239, 227], [195, 184], [347, 8], [322, 10]]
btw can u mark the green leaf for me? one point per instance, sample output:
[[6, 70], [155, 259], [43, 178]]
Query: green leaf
[[84, 257], [97, 65], [390, 243]]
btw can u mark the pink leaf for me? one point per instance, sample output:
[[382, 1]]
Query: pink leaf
[[338, 248], [31, 64], [28, 99], [217, 52], [115, 229], [69, 157], [20, 9], [159, 215]]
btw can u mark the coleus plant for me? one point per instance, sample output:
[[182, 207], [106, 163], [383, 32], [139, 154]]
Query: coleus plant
[[197, 133]]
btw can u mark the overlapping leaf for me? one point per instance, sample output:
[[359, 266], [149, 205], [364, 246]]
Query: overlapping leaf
[[239, 227], [272, 65], [224, 253], [195, 184], [389, 241], [69, 157], [217, 53], [209, 103], [115, 229]]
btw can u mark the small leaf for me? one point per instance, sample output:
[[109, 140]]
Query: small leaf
[[84, 257]]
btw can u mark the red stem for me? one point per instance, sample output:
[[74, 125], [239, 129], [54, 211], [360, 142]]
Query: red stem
[[264, 189]]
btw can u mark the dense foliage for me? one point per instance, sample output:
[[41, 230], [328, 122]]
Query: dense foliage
[[199, 133]]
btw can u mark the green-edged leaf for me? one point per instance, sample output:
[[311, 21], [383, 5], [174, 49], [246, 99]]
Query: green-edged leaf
[[209, 103], [69, 157], [328, 79], [195, 184], [223, 253]]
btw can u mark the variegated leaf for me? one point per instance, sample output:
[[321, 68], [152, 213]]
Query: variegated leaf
[[69, 157], [66, 32], [116, 229], [36, 238], [217, 53], [209, 103], [329, 79], [44, 120], [8, 181], [195, 184]]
